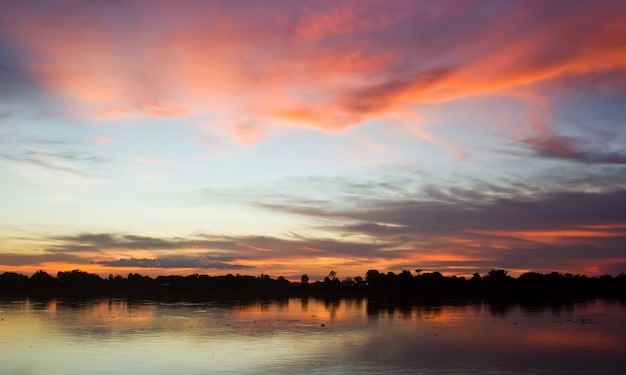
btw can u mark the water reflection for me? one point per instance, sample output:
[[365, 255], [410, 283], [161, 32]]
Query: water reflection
[[310, 336]]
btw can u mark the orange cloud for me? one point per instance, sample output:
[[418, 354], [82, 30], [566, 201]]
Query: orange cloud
[[551, 236], [336, 64], [257, 248], [448, 257], [348, 17]]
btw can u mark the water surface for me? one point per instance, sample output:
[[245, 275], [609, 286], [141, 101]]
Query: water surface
[[304, 336]]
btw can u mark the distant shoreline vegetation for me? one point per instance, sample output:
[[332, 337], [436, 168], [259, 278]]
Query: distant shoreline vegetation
[[406, 285]]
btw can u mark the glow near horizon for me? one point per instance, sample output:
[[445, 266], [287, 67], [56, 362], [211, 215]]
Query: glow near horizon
[[288, 138]]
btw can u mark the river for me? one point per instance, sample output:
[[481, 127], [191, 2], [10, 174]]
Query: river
[[310, 336]]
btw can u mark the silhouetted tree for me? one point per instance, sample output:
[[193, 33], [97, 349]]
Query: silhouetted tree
[[358, 280], [80, 282], [498, 281], [331, 280], [372, 276], [282, 282], [494, 285], [41, 282], [11, 282]]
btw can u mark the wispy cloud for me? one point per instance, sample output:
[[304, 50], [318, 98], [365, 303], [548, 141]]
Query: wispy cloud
[[320, 65], [545, 143], [554, 146], [517, 233], [481, 227], [52, 154], [173, 262], [204, 253], [458, 230], [67, 162], [219, 248]]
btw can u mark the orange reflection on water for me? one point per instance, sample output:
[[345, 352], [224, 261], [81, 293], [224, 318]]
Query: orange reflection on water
[[573, 339], [303, 310], [304, 335]]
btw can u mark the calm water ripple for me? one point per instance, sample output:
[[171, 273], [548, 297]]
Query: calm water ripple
[[310, 336]]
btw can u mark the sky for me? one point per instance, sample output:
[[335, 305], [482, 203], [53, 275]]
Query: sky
[[299, 137]]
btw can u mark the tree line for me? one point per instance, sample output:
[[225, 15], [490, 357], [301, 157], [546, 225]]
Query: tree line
[[405, 284]]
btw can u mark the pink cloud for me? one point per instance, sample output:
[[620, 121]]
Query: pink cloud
[[103, 140], [332, 19], [323, 65]]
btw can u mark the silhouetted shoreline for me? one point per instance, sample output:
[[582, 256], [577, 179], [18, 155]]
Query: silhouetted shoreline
[[496, 284]]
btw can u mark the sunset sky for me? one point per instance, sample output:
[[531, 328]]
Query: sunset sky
[[292, 137]]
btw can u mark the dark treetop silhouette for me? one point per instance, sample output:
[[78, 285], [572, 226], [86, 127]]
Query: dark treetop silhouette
[[496, 283]]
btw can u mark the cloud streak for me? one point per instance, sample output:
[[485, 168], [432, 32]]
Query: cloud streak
[[50, 154], [516, 227], [172, 262], [454, 233], [321, 65], [544, 143]]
